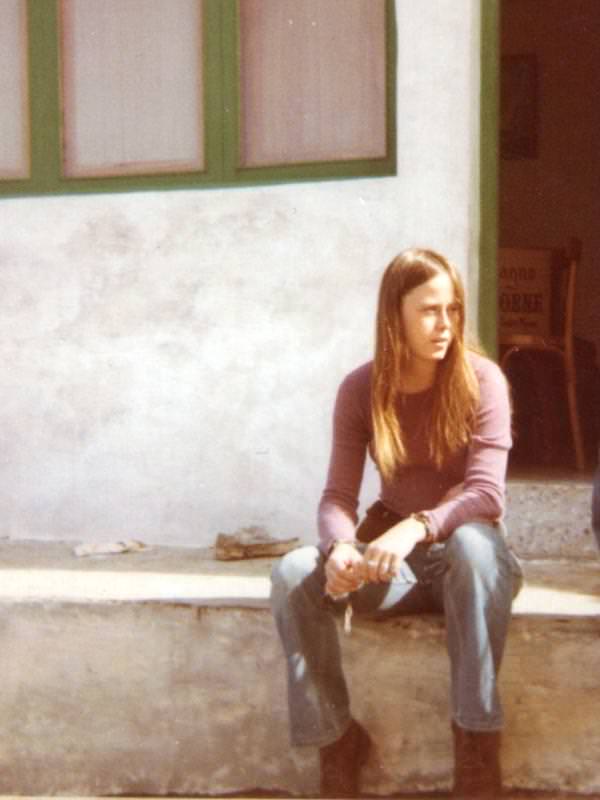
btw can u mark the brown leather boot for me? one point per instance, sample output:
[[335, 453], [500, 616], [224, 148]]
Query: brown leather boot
[[477, 772], [342, 761]]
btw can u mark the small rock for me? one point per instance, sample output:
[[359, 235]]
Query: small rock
[[252, 542]]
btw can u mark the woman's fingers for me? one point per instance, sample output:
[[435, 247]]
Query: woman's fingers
[[371, 566], [341, 584], [342, 576], [389, 566], [379, 565]]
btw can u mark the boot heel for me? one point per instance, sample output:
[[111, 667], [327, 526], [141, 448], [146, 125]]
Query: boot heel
[[342, 761], [364, 747], [477, 772]]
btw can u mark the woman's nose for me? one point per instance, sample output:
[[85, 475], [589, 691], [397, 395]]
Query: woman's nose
[[443, 319]]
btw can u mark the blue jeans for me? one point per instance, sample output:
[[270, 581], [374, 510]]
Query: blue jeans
[[472, 578]]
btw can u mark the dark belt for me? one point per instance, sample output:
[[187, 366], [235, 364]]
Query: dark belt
[[377, 521]]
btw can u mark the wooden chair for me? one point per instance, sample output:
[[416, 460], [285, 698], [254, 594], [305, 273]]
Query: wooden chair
[[536, 313]]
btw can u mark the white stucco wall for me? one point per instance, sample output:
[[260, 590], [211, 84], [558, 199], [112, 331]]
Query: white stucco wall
[[171, 359]]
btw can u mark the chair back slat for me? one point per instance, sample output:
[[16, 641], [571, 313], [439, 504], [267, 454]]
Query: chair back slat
[[537, 313]]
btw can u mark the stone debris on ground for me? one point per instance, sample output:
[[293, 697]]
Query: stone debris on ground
[[109, 548], [252, 542]]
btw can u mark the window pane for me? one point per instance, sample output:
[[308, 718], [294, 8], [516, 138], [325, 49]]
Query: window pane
[[14, 117], [312, 80], [132, 83]]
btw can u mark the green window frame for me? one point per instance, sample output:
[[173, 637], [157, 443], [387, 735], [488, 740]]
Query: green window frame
[[221, 108]]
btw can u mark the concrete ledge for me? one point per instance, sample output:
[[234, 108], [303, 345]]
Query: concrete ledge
[[161, 673], [48, 571], [551, 518]]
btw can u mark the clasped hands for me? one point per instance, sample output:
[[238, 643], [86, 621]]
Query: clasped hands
[[347, 569]]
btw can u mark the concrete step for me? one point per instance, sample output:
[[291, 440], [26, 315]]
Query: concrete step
[[549, 515], [160, 673]]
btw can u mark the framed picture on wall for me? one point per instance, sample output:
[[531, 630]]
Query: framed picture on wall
[[519, 112]]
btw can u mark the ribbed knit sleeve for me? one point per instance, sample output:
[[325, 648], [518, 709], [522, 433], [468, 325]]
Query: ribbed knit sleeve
[[337, 515], [482, 496]]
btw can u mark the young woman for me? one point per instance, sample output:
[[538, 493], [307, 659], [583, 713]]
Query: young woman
[[435, 418]]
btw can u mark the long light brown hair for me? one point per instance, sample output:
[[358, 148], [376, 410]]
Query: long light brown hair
[[456, 390]]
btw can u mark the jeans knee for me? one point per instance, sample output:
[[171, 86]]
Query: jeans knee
[[475, 549], [293, 568]]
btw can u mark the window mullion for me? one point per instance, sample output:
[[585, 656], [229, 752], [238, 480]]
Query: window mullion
[[213, 89], [230, 86], [44, 93], [391, 70]]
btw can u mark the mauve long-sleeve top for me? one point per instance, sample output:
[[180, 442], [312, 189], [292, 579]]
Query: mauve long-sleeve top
[[418, 486]]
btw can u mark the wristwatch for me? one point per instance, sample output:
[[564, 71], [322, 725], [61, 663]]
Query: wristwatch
[[422, 517]]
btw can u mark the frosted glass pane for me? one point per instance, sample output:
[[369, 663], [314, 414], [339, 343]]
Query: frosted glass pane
[[14, 111], [132, 84], [312, 80]]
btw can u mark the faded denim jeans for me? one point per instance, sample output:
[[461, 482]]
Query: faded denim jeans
[[472, 578]]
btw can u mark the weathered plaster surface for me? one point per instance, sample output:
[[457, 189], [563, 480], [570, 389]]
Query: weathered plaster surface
[[170, 359], [145, 699], [112, 688]]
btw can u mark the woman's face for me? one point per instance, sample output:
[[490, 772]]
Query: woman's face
[[430, 315]]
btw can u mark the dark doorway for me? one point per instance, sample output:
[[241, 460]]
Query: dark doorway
[[549, 192]]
